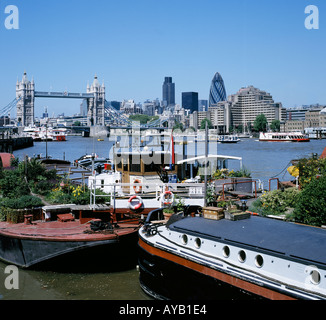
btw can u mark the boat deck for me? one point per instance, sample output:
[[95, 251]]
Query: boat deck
[[283, 238], [64, 231]]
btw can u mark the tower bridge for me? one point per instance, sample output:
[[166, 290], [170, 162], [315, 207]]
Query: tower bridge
[[98, 109], [26, 94]]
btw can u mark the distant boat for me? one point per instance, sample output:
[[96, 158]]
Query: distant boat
[[245, 135], [45, 134], [228, 139], [283, 137]]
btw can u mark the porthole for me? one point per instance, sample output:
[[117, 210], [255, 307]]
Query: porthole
[[226, 251], [184, 239], [259, 261], [242, 256], [315, 277], [197, 243]]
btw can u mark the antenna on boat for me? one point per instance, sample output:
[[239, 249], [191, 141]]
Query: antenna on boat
[[206, 157]]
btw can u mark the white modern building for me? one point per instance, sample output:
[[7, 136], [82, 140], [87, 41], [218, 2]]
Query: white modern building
[[250, 102]]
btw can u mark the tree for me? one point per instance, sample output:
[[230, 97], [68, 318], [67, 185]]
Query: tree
[[142, 118], [310, 208], [178, 126], [260, 123], [276, 125], [203, 124]]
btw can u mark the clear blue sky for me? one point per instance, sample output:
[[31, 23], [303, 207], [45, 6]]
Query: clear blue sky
[[133, 44]]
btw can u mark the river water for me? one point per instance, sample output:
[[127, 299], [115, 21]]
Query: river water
[[262, 159]]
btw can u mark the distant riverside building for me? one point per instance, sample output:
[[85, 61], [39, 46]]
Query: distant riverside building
[[315, 117], [296, 113], [190, 101], [217, 92], [221, 116], [294, 126], [168, 92], [202, 105], [250, 102], [130, 107], [150, 107]]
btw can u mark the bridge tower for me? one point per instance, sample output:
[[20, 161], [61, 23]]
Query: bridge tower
[[25, 91], [95, 106]]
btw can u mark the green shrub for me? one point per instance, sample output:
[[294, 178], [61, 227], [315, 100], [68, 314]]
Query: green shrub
[[276, 202], [310, 208], [309, 169], [24, 202]]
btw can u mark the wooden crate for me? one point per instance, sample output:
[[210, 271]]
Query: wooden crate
[[213, 213], [234, 216]]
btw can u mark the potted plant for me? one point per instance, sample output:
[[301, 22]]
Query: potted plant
[[168, 212]]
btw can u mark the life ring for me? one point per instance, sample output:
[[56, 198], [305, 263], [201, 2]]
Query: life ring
[[138, 188], [137, 206], [167, 198]]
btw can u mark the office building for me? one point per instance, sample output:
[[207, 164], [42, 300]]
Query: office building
[[217, 92], [190, 101], [202, 105], [168, 92], [250, 102]]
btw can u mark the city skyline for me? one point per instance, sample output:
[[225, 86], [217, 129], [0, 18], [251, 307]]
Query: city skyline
[[248, 42]]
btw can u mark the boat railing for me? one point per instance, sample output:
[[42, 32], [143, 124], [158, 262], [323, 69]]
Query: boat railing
[[254, 183], [116, 191], [269, 183]]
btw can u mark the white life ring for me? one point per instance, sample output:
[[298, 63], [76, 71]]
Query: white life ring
[[136, 206], [167, 198]]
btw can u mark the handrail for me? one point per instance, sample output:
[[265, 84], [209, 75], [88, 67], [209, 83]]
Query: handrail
[[269, 183], [238, 182]]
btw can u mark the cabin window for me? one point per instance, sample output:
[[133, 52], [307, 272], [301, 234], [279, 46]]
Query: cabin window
[[197, 243], [135, 167], [242, 256], [150, 167], [315, 277], [259, 261], [226, 251], [184, 239]]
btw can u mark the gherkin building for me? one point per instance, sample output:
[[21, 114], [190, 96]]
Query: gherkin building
[[217, 92]]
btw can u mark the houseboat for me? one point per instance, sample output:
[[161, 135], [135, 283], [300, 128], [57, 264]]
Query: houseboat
[[74, 238], [204, 254], [283, 137]]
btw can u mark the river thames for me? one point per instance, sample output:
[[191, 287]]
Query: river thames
[[263, 159]]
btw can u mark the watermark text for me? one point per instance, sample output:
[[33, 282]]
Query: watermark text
[[11, 17], [312, 19]]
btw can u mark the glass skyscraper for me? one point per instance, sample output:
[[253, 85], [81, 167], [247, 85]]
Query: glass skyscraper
[[168, 92], [217, 92], [190, 101]]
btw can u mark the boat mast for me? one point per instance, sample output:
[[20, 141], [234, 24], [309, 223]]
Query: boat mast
[[206, 158]]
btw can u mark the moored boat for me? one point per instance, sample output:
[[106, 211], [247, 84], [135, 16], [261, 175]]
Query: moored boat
[[283, 137], [195, 256], [95, 240], [228, 139]]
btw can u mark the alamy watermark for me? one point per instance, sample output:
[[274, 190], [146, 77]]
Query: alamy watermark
[[11, 281], [312, 20], [11, 17]]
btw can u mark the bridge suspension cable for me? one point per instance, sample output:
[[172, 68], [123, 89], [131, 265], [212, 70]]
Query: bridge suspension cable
[[4, 111], [118, 117]]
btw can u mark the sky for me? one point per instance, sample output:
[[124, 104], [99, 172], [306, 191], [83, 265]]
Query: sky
[[131, 45]]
